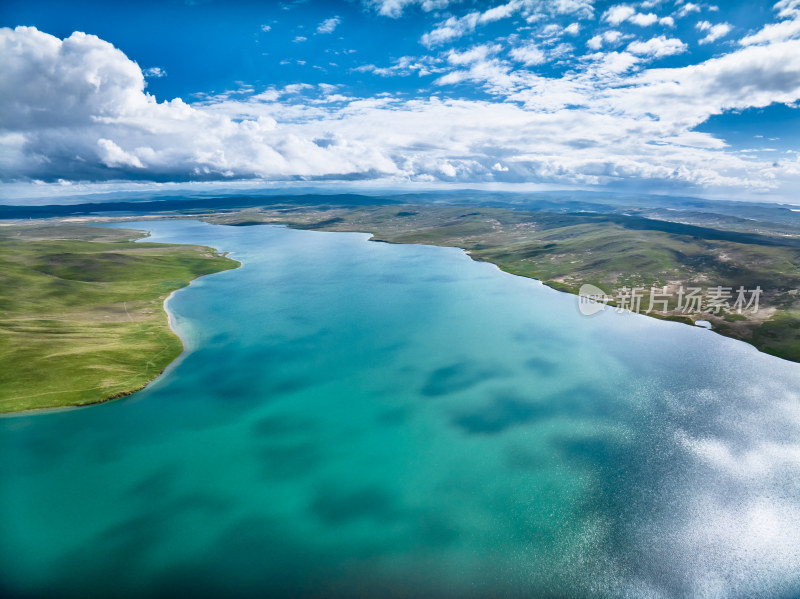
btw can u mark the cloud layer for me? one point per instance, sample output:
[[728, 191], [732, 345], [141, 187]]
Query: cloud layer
[[78, 109]]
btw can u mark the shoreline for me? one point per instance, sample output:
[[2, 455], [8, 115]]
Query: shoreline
[[662, 317], [373, 237], [185, 350], [684, 320], [120, 394]]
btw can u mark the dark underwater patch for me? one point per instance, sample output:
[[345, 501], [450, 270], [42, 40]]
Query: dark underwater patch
[[501, 413], [457, 377], [336, 506]]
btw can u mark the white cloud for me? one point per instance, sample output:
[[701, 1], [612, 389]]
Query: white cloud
[[658, 47], [686, 9], [403, 67], [643, 20], [753, 77], [535, 11], [474, 54], [74, 81], [296, 88], [455, 27], [714, 31], [572, 28], [447, 169], [76, 109], [595, 43], [562, 51], [328, 25], [266, 28], [112, 155], [492, 73], [788, 9], [607, 37], [632, 127], [777, 32], [667, 21], [532, 10], [551, 30], [529, 55], [618, 14], [154, 72], [610, 65], [300, 39], [395, 8], [622, 12]]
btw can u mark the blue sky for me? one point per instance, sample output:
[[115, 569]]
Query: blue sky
[[661, 96]]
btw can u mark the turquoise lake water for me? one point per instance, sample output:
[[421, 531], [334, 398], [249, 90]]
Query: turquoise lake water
[[358, 419]]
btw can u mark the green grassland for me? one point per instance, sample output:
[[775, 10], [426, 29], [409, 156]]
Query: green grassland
[[81, 312], [566, 250]]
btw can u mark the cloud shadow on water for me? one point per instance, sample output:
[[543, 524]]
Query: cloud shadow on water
[[459, 376], [295, 459], [336, 506], [502, 412]]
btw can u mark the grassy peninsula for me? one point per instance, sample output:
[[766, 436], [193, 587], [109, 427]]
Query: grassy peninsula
[[81, 312]]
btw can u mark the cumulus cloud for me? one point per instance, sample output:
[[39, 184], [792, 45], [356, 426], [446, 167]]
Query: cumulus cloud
[[756, 76], [607, 37], [492, 73], [618, 14], [610, 65], [643, 20], [112, 155], [687, 9], [529, 55], [658, 47], [776, 32], [714, 31], [447, 169], [455, 27], [621, 13], [328, 25], [154, 72], [788, 9], [788, 28], [76, 109], [580, 8], [49, 82], [403, 67]]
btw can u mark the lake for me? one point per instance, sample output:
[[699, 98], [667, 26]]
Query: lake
[[359, 419]]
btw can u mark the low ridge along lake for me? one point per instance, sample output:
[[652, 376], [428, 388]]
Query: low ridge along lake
[[359, 419]]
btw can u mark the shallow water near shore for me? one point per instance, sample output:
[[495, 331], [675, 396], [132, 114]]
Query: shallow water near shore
[[362, 419]]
